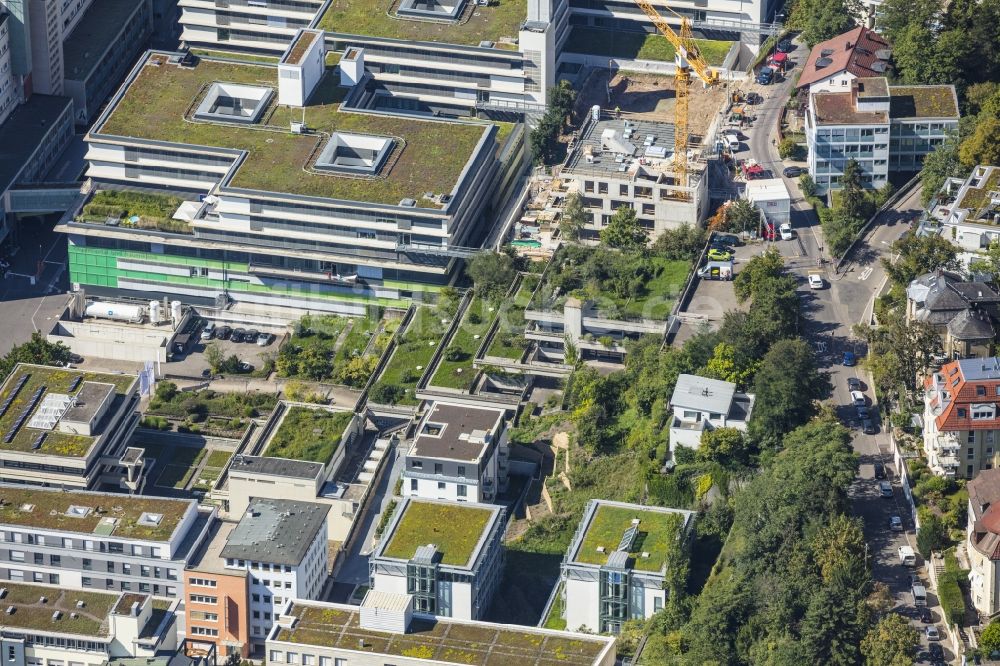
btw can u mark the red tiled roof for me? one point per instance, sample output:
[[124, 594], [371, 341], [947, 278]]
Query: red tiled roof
[[963, 394], [853, 51]]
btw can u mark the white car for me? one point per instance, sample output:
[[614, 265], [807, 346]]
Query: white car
[[815, 281], [858, 398], [786, 231]]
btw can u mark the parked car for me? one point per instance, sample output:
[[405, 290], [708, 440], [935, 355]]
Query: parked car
[[766, 76], [936, 653], [727, 239], [245, 367], [815, 281], [868, 427], [858, 398], [885, 489], [238, 334], [863, 412], [264, 339], [792, 172], [879, 470], [895, 524], [250, 336], [849, 359], [224, 332], [853, 384], [786, 231], [785, 46], [932, 633], [925, 615], [719, 255], [754, 98], [208, 332]]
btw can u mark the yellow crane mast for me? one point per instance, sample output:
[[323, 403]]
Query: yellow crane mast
[[687, 57]]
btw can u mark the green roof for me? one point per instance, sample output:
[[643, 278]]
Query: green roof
[[375, 18], [455, 529], [308, 434], [480, 643], [657, 530], [923, 102], [55, 380], [159, 105], [100, 25], [31, 613], [977, 197], [50, 510]]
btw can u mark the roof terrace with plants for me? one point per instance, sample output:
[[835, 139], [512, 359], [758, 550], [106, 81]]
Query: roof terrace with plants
[[35, 397], [311, 434], [443, 640], [51, 609], [166, 102], [455, 530], [82, 512]]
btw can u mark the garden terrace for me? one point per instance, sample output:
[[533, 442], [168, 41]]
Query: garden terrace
[[201, 406], [638, 45], [623, 286], [455, 529], [55, 380], [308, 434], [376, 18], [443, 640], [51, 510], [134, 210], [455, 368], [331, 347], [657, 530], [414, 351], [361, 349], [975, 198], [922, 102], [30, 614], [159, 102], [508, 341]]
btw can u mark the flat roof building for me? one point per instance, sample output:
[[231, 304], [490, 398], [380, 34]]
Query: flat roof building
[[448, 555], [702, 403], [460, 453], [615, 566], [301, 212], [99, 541], [66, 427], [383, 631], [968, 210]]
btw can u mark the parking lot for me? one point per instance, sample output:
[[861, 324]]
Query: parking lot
[[192, 362]]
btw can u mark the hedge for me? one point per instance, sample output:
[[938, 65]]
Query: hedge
[[950, 595]]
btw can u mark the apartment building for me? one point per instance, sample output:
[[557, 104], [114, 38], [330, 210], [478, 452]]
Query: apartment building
[[983, 534], [345, 209], [968, 211], [961, 422], [885, 129], [9, 92], [68, 428], [384, 629], [53, 625], [701, 404], [460, 454], [448, 555], [99, 541], [615, 567], [964, 312], [281, 547]]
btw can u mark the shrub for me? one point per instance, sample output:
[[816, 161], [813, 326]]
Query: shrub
[[950, 596], [387, 394], [789, 149], [383, 522], [165, 391]]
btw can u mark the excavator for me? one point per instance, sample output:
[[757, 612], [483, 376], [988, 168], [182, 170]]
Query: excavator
[[688, 57]]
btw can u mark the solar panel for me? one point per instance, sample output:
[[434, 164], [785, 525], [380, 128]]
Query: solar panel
[[628, 538], [13, 394], [75, 383], [37, 444], [32, 402]]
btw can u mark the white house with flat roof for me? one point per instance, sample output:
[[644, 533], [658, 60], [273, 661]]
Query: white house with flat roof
[[701, 404], [771, 197]]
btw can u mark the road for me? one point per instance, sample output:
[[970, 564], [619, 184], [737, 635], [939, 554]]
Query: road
[[831, 313]]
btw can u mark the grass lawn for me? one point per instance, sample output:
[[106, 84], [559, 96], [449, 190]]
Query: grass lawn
[[366, 340], [977, 197], [205, 403], [509, 342], [428, 156], [502, 19], [458, 372], [218, 458], [308, 434], [455, 530], [414, 351], [656, 532], [638, 46], [180, 468], [135, 210], [555, 619], [90, 620]]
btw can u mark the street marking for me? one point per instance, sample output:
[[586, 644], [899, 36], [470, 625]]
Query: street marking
[[865, 274]]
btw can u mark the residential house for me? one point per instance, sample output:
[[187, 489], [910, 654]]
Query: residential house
[[968, 211], [701, 404], [983, 534], [834, 64], [460, 453], [963, 312], [615, 567], [961, 420]]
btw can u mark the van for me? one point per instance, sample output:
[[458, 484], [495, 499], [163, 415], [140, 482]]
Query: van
[[716, 270], [181, 343], [732, 141], [919, 595], [907, 557]]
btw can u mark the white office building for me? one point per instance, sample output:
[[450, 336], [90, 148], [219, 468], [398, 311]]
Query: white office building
[[460, 454]]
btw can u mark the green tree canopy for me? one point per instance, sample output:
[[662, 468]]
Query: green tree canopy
[[36, 350], [938, 166], [918, 255], [683, 242], [574, 217], [787, 387], [623, 231], [492, 273], [891, 642], [989, 640]]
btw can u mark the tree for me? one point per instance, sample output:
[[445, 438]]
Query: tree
[[982, 147], [807, 185], [822, 19], [919, 255], [789, 149], [214, 356], [387, 394], [726, 446], [839, 549], [759, 269], [891, 642], [989, 640], [623, 231], [36, 350], [787, 387], [574, 217], [730, 365], [683, 242], [884, 193], [941, 164], [562, 98], [492, 273], [932, 535], [897, 351]]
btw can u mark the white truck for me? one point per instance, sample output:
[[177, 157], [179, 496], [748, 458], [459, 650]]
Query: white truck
[[907, 557]]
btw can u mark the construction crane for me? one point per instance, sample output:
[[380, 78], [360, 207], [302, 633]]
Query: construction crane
[[687, 57]]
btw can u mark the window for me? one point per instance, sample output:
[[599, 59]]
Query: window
[[39, 558], [55, 560], [111, 567], [86, 582], [970, 454], [88, 565], [413, 485], [255, 597], [461, 470], [127, 569], [67, 543], [256, 615], [441, 485], [11, 654], [17, 556], [126, 587], [53, 579], [293, 657], [623, 190], [438, 468], [276, 656], [417, 464], [201, 582], [202, 599], [308, 660], [137, 550], [461, 491], [980, 390], [144, 571], [325, 661], [971, 437], [204, 631]]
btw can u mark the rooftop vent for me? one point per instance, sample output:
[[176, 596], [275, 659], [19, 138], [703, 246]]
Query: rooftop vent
[[27, 508], [80, 603], [883, 54], [10, 610], [56, 615], [600, 549], [3, 592], [77, 511], [645, 555], [879, 66], [826, 52], [43, 600], [148, 519], [408, 203]]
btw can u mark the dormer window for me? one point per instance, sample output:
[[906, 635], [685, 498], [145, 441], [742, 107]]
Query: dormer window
[[980, 390], [961, 413]]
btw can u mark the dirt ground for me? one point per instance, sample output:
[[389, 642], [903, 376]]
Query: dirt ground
[[650, 97]]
